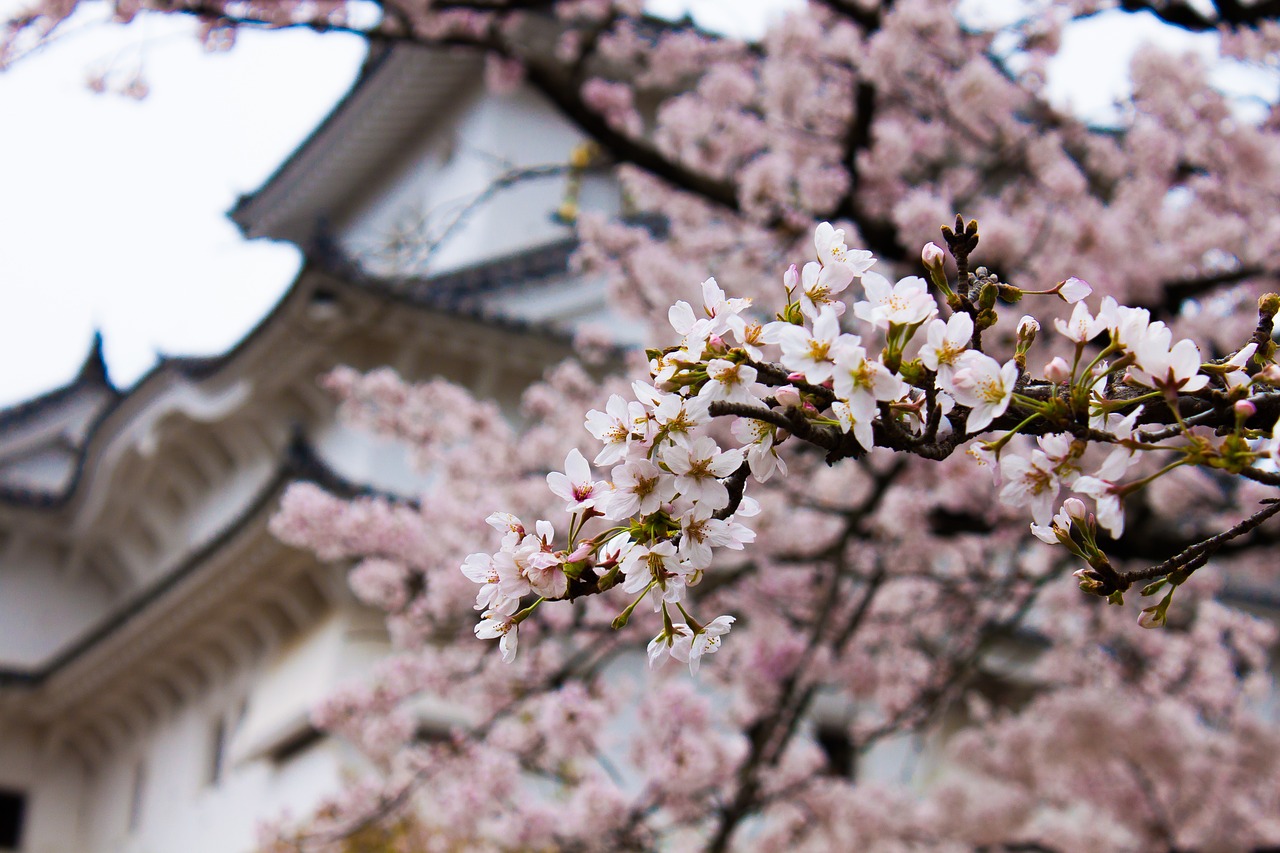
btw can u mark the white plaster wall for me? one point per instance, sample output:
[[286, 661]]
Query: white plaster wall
[[362, 457], [74, 810], [42, 606], [458, 159], [53, 788], [46, 469]]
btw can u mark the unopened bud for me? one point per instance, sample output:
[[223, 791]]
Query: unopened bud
[[1269, 304], [932, 256], [1152, 617], [567, 212], [1058, 371], [791, 278], [1269, 374], [1244, 410], [1073, 290], [1009, 293], [1088, 581], [987, 297], [787, 395], [583, 155], [1075, 509], [1028, 328]]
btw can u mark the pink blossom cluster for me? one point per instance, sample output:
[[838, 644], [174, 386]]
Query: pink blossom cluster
[[668, 490], [890, 601]]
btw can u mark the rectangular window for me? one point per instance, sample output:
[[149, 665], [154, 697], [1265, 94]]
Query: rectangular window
[[217, 752], [296, 744], [13, 810], [135, 797]]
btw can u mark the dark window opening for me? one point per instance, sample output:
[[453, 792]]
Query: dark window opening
[[13, 809], [837, 746], [135, 798], [217, 752], [430, 732], [291, 747]]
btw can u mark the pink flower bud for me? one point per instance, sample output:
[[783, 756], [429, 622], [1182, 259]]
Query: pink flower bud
[[932, 255], [1245, 410], [1073, 290], [791, 278], [1269, 374], [795, 377], [1028, 327], [787, 395], [1151, 617], [1058, 371], [1075, 509]]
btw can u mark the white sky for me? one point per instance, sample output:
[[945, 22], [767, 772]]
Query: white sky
[[112, 212]]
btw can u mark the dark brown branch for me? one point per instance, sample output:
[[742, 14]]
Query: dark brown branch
[[1187, 16], [1197, 555], [1175, 293]]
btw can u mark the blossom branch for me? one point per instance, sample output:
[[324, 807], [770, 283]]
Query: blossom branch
[[1196, 556]]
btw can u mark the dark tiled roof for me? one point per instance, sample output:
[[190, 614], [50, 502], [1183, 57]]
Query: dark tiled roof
[[457, 293], [379, 53], [92, 375], [464, 293]]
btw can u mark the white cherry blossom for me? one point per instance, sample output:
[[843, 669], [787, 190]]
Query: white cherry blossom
[[1173, 369], [813, 353], [699, 468], [731, 382], [1105, 487], [677, 417], [982, 384], [575, 487], [658, 564], [1030, 480], [903, 304], [831, 249], [1082, 326], [759, 438], [691, 648], [819, 286], [861, 382], [851, 421], [615, 428], [496, 622], [944, 341], [639, 487]]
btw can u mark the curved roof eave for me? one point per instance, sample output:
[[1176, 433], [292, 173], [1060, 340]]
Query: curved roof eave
[[300, 463], [399, 90]]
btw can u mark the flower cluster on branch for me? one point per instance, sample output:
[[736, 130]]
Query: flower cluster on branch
[[673, 494]]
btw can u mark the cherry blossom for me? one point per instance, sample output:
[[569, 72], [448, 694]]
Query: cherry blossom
[[812, 351], [944, 341], [575, 487], [691, 647], [905, 303], [700, 467], [880, 578], [982, 384]]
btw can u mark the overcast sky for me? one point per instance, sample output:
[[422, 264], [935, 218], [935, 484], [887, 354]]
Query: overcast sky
[[112, 211]]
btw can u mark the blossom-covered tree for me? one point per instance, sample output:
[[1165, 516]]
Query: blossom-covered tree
[[792, 483]]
